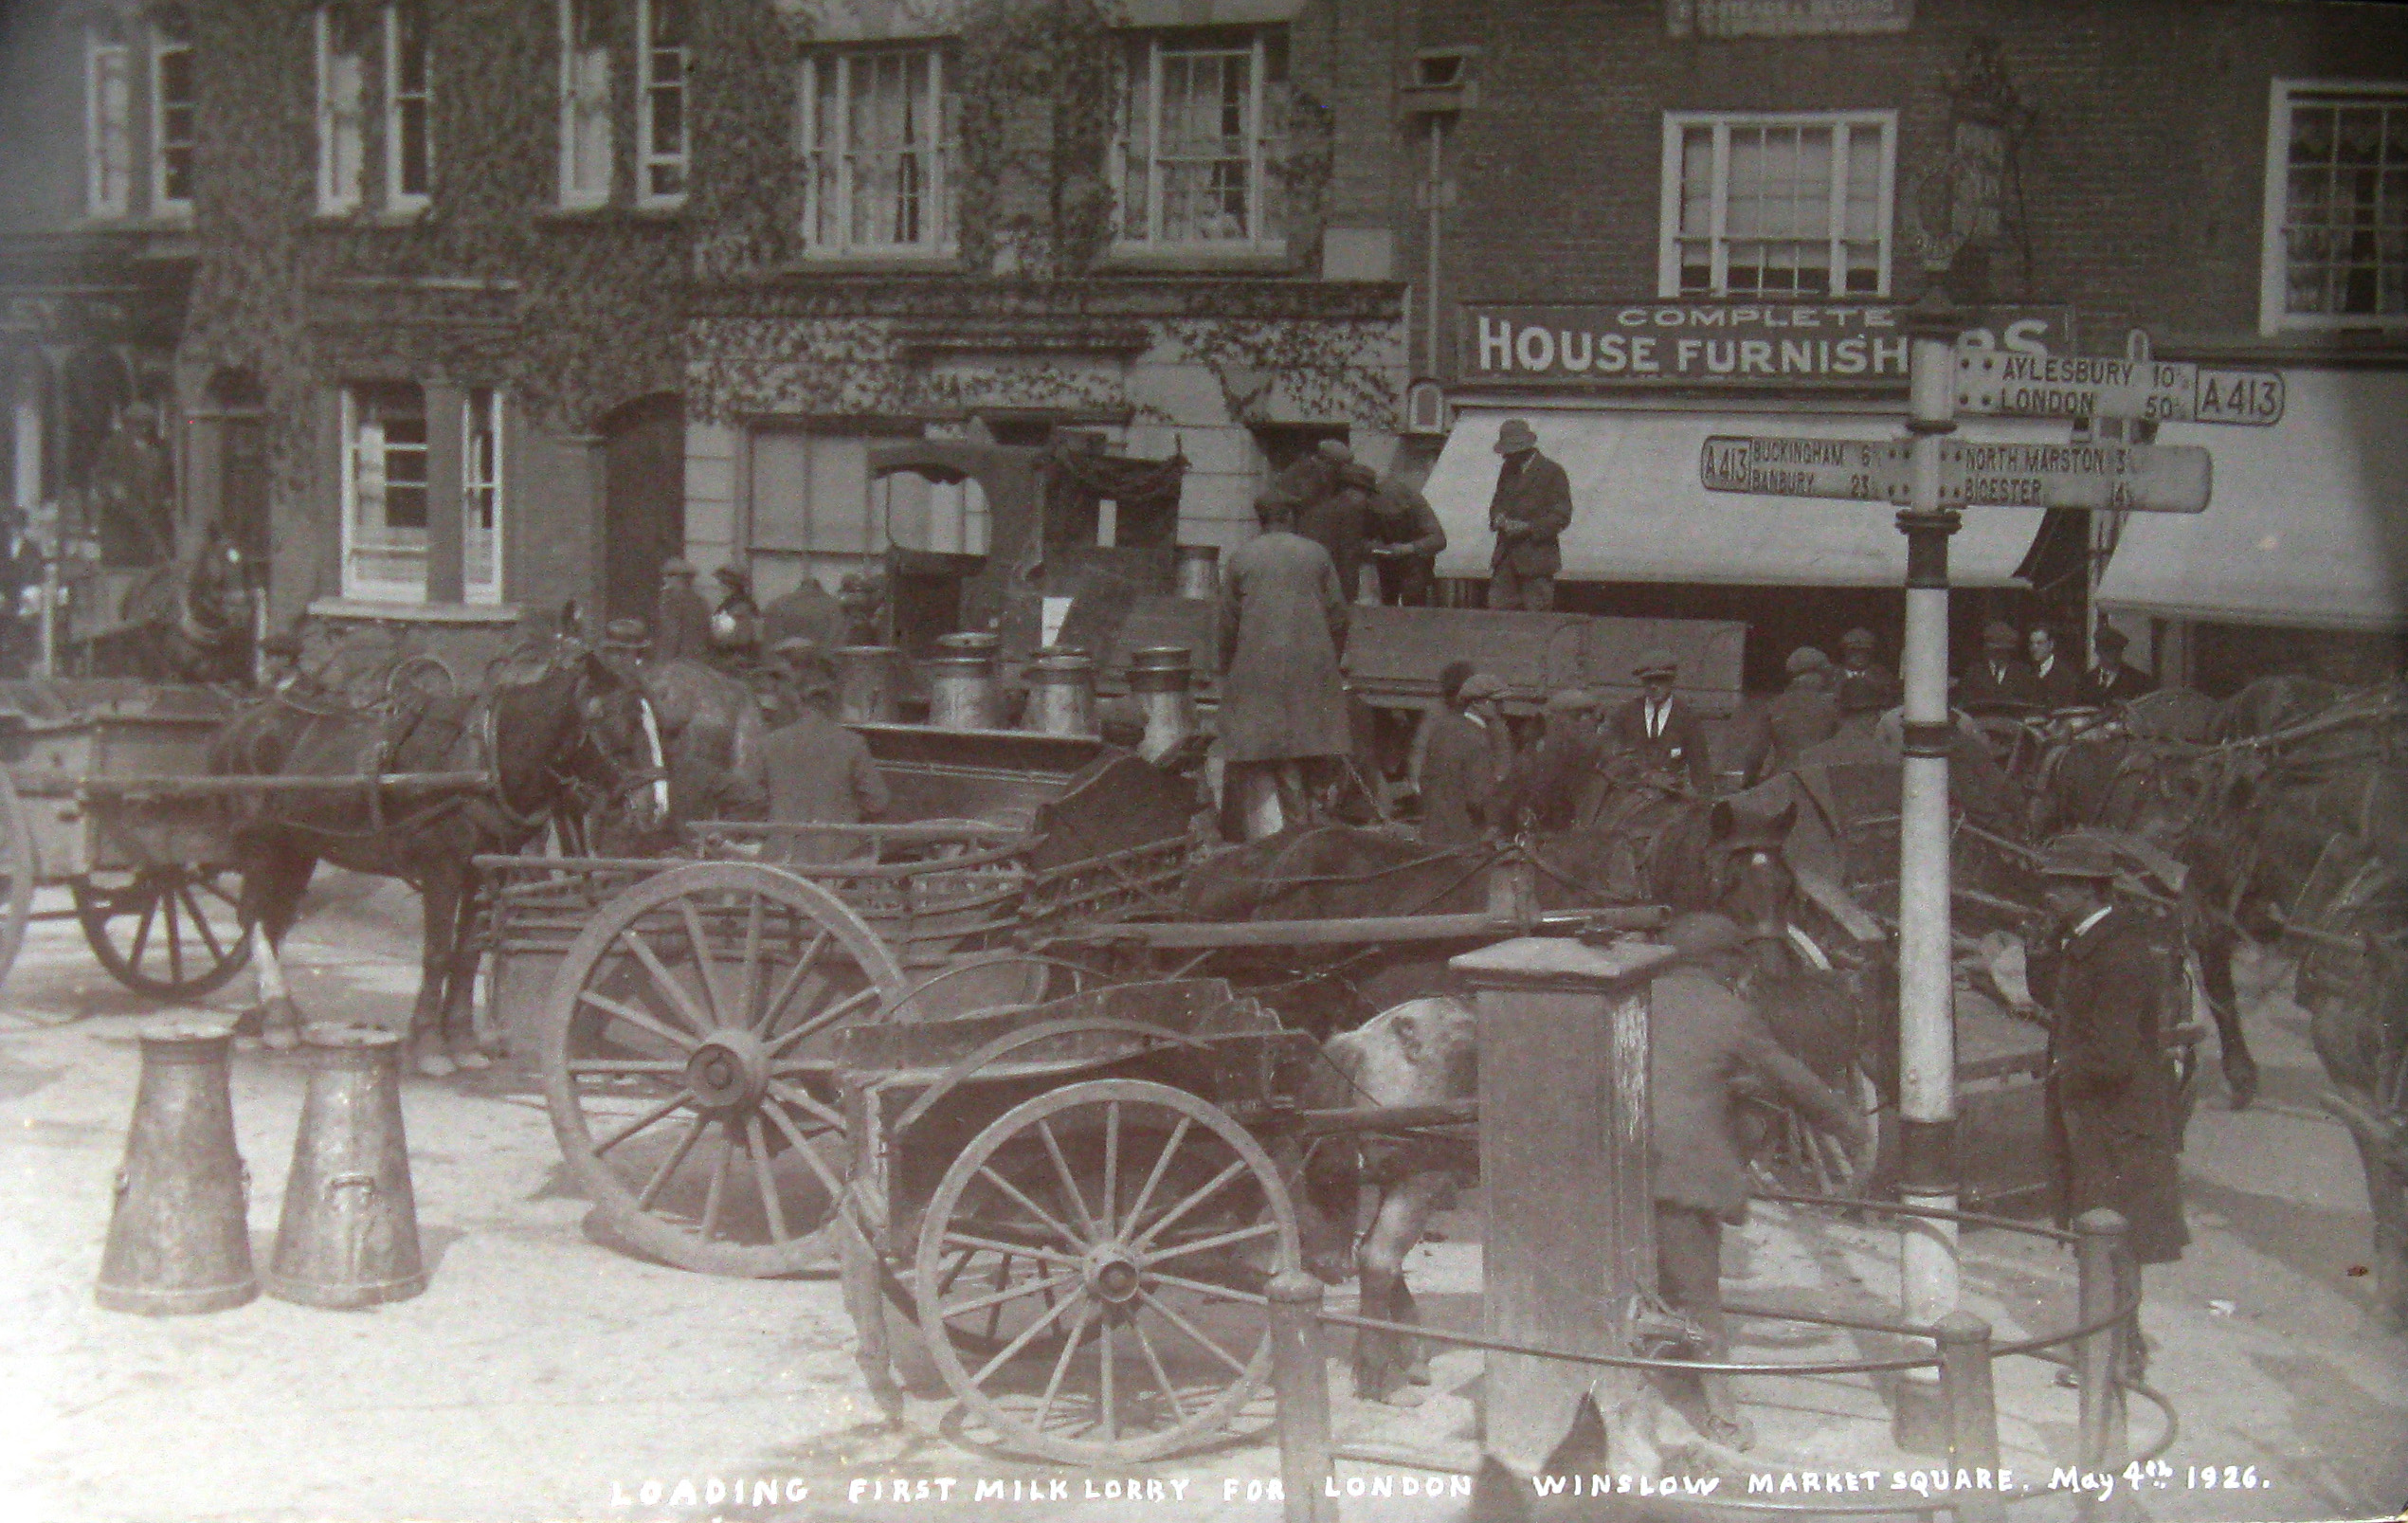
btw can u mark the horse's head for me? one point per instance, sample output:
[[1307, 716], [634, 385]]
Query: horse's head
[[570, 733], [618, 766], [1750, 881]]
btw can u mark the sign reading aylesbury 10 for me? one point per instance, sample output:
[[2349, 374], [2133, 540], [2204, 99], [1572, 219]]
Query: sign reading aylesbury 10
[[1727, 343]]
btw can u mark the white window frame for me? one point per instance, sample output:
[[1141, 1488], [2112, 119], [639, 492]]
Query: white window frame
[[162, 204], [2273, 291], [573, 116], [355, 585], [649, 82], [1258, 154], [1676, 127], [481, 482], [938, 215], [108, 125], [338, 192], [397, 199]]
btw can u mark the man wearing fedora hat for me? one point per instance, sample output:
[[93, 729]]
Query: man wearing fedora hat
[[2000, 679], [1659, 728], [2112, 678], [1531, 508]]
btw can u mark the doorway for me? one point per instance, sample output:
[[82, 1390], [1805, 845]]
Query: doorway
[[644, 502]]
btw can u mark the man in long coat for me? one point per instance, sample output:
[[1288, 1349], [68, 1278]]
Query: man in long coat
[[1338, 522], [1283, 627], [2112, 1100], [1531, 508], [681, 625], [1802, 716], [1407, 539], [1702, 1036], [816, 772], [1466, 761]]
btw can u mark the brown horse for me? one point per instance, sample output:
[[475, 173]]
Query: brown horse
[[561, 734], [190, 620]]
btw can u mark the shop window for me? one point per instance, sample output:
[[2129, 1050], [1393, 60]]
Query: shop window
[[1191, 142], [480, 459], [811, 493], [408, 112], [2336, 206], [1776, 205], [585, 104], [874, 141], [174, 117], [661, 101], [108, 122], [341, 99], [385, 492]]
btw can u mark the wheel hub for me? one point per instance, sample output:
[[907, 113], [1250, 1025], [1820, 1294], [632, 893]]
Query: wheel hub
[[1112, 1273], [729, 1072]]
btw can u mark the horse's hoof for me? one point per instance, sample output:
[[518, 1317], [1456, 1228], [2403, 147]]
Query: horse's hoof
[[471, 1058], [431, 1062], [1404, 1396]]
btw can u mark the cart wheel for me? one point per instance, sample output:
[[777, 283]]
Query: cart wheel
[[16, 874], [1091, 1271], [171, 932], [686, 1051]]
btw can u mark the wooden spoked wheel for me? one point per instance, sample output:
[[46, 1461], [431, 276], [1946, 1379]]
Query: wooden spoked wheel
[[172, 932], [1091, 1272], [686, 1048], [17, 871]]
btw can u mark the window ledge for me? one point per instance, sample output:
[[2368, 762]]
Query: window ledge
[[944, 261], [554, 211], [469, 614], [1204, 258]]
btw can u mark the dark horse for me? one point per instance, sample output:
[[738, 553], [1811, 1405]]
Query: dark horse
[[558, 732], [192, 619]]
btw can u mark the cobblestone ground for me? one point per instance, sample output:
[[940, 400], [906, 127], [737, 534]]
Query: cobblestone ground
[[545, 1376]]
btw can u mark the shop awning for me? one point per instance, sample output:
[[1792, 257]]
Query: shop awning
[[1640, 515], [2308, 524]]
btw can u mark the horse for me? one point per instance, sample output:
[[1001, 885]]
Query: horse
[[559, 733], [192, 620], [711, 728]]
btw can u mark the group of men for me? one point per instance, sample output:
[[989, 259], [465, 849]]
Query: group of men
[[1361, 518], [2004, 680], [740, 632]]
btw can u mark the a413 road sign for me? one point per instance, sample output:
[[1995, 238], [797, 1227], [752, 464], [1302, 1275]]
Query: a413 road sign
[[2004, 384], [2107, 477]]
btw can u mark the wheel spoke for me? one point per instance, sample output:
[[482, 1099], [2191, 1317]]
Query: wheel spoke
[[634, 1017], [679, 994], [826, 1017], [1137, 1207], [1153, 1362], [997, 1298], [702, 965], [669, 1165], [1242, 1235], [1031, 1207], [1027, 1336], [1070, 1186], [1112, 1160], [828, 1181], [1205, 1287], [623, 1065], [759, 1146], [209, 885], [1189, 1329], [640, 1122], [717, 1192], [1061, 1366], [751, 987], [201, 924], [1104, 1380], [141, 934], [1200, 1196], [175, 935], [801, 1100], [1049, 1256], [1001, 1278], [787, 983]]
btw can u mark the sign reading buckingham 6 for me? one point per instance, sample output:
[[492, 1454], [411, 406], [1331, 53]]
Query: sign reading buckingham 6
[[1725, 343]]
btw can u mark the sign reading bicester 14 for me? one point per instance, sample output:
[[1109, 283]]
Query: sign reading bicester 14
[[1727, 343]]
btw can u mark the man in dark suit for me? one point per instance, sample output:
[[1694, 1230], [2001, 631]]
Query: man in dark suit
[[1856, 666], [1338, 522], [2113, 680], [1701, 1036], [1660, 728], [1467, 762], [2000, 679], [2056, 677], [1531, 508], [1406, 540], [682, 623]]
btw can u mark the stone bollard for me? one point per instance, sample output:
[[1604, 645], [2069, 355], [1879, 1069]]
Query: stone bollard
[[1162, 679], [2097, 1364], [1300, 1384], [865, 685], [1199, 572], [1971, 1397], [178, 1238], [1062, 696], [348, 1235]]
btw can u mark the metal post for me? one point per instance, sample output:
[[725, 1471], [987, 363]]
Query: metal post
[[2099, 1243], [1927, 1029], [1300, 1383], [1973, 1409]]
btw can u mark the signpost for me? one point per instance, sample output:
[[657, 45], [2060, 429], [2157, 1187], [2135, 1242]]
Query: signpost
[[2031, 473], [2003, 384]]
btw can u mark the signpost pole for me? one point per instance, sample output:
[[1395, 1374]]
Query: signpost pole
[[1927, 1034]]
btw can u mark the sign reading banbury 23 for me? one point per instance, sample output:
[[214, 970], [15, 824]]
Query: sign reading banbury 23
[[1725, 343]]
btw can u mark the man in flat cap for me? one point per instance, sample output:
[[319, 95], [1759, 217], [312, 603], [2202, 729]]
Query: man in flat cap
[[1531, 508], [1405, 539], [1283, 628], [2113, 1103], [815, 772], [1804, 715], [2112, 678], [1467, 760], [1338, 520], [2000, 679], [1557, 779], [682, 623], [1661, 729], [1858, 665]]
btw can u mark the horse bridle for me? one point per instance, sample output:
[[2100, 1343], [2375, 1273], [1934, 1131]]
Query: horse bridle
[[566, 775]]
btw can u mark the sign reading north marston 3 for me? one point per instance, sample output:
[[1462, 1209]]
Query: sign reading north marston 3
[[2109, 478], [1998, 384], [1723, 343]]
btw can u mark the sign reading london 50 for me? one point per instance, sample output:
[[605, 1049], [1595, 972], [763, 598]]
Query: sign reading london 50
[[1725, 343]]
